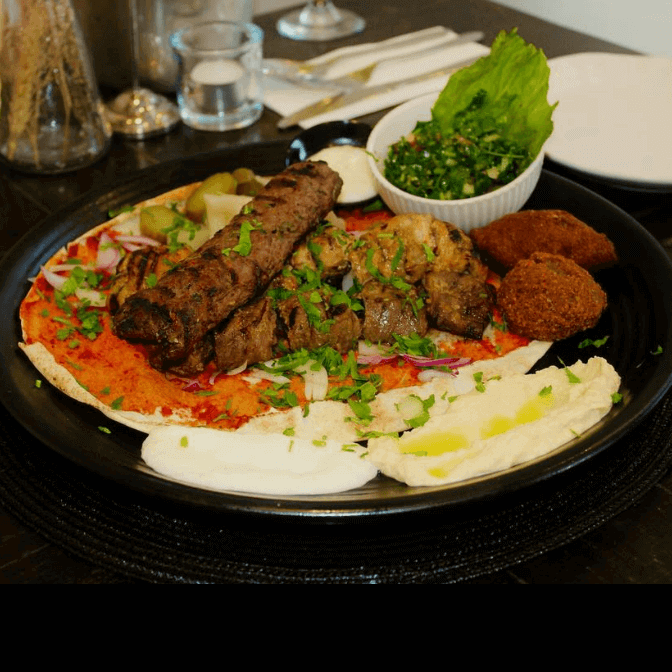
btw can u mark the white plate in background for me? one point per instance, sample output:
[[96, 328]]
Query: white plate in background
[[614, 120]]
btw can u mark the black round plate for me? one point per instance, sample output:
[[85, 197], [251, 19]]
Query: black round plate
[[637, 321]]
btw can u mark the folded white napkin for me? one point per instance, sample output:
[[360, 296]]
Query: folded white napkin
[[406, 61]]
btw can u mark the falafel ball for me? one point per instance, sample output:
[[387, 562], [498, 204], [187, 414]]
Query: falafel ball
[[549, 297], [517, 235]]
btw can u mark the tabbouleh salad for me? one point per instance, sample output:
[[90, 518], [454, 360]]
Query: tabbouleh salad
[[487, 126]]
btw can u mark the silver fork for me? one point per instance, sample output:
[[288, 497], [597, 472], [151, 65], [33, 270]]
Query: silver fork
[[305, 74]]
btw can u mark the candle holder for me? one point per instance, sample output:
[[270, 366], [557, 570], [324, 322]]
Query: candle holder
[[219, 85], [320, 21]]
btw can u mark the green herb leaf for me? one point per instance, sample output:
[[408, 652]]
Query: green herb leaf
[[362, 410], [597, 343], [513, 82]]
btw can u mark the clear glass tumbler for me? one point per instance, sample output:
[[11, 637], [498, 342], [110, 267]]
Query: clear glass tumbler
[[220, 83]]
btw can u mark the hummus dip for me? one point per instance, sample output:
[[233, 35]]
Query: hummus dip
[[501, 423]]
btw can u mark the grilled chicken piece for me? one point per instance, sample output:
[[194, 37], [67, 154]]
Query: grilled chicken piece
[[326, 251], [135, 268], [232, 268], [429, 256]]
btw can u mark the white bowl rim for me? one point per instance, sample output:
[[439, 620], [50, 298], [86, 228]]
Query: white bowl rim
[[455, 203]]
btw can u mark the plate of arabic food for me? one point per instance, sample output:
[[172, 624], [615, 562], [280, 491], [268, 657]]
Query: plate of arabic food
[[290, 356]]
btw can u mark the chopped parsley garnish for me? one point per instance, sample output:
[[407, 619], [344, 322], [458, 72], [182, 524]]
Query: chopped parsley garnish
[[180, 224], [429, 253], [362, 411], [597, 343], [571, 376], [244, 246], [279, 396], [117, 404], [113, 213], [415, 345], [376, 435], [375, 206], [394, 280]]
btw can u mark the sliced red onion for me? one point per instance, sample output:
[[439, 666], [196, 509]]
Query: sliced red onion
[[375, 359], [108, 254], [193, 387], [130, 247], [189, 384], [58, 268], [426, 375], [54, 279], [368, 349], [452, 362], [260, 374], [238, 369], [138, 240]]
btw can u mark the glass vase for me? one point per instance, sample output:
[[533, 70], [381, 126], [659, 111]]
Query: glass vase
[[51, 116]]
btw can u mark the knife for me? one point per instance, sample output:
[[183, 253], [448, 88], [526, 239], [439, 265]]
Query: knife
[[337, 101]]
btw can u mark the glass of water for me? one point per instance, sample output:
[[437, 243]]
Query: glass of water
[[220, 83]]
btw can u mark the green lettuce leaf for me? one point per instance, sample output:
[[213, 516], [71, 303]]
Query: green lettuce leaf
[[507, 89]]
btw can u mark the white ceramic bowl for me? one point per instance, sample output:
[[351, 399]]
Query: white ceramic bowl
[[467, 213]]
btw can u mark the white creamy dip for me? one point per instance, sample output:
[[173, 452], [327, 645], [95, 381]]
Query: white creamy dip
[[269, 464], [501, 423], [352, 165]]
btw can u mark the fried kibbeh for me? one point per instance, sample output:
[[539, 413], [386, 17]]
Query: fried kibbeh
[[517, 235], [549, 297]]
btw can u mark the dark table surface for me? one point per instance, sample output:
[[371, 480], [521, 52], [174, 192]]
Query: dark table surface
[[633, 546]]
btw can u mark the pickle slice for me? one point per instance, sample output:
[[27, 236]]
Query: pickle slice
[[154, 219], [248, 184], [219, 183]]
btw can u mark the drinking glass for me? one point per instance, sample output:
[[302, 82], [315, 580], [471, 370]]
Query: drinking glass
[[139, 112], [320, 20], [219, 84]]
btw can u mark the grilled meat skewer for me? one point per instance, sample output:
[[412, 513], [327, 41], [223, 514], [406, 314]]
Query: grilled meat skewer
[[230, 269]]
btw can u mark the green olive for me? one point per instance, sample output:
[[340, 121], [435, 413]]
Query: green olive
[[154, 219], [220, 183], [248, 185]]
